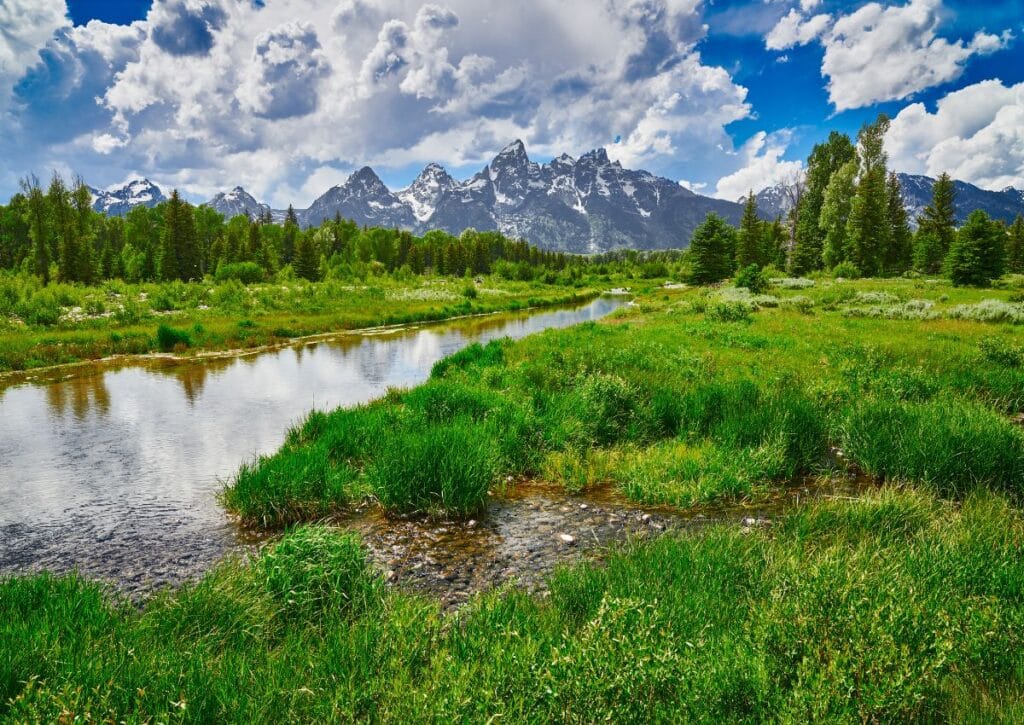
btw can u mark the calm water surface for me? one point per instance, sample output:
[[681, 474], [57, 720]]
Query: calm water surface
[[115, 471]]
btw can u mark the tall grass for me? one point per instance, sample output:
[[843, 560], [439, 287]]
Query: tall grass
[[950, 446], [896, 607]]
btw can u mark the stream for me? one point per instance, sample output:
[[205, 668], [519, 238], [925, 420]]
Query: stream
[[114, 469]]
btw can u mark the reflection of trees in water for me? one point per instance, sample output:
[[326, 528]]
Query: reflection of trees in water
[[79, 394], [193, 376]]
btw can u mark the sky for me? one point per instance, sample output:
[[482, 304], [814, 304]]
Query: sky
[[288, 97]]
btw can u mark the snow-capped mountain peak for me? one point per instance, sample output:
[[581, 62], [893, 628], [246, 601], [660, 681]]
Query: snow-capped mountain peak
[[423, 195], [119, 200], [238, 202]]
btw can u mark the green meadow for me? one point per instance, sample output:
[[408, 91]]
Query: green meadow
[[903, 602], [63, 323]]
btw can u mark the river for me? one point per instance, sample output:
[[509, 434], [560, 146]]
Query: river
[[115, 470]]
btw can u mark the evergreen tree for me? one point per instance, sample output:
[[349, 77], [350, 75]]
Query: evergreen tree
[[179, 257], [85, 233], [1015, 246], [307, 259], [62, 225], [824, 161], [936, 227], [38, 228], [978, 253], [749, 240], [291, 230], [835, 214], [868, 230], [900, 254], [712, 251]]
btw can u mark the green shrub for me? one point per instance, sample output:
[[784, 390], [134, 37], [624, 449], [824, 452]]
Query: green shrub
[[170, 338], [42, 308], [470, 291], [845, 270], [1001, 352], [728, 311], [752, 278], [244, 272]]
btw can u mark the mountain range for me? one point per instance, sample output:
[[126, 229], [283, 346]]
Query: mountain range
[[585, 205], [917, 194]]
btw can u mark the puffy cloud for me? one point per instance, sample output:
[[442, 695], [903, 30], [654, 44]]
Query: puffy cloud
[[793, 29], [809, 5], [186, 27], [282, 79], [26, 26], [763, 166], [976, 134], [887, 53], [206, 94]]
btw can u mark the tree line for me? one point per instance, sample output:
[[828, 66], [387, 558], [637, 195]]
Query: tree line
[[847, 216], [55, 234]]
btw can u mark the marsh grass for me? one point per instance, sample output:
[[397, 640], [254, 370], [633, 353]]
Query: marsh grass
[[895, 607]]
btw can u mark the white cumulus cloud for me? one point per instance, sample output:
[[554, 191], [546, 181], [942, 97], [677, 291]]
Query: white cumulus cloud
[[25, 28], [763, 166], [793, 29], [975, 134]]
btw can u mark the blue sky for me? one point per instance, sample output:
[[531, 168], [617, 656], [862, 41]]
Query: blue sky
[[287, 97]]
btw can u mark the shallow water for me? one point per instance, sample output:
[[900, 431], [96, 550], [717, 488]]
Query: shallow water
[[115, 470]]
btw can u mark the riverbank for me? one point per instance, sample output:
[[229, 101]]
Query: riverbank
[[119, 321], [897, 601]]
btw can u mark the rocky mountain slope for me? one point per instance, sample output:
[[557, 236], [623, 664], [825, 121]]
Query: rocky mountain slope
[[118, 202]]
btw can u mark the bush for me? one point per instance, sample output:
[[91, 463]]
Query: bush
[[1001, 352], [42, 308], [845, 270], [753, 278], [470, 292], [244, 272], [170, 338], [989, 311], [726, 311]]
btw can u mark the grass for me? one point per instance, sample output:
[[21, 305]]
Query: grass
[[895, 607], [906, 603], [65, 323]]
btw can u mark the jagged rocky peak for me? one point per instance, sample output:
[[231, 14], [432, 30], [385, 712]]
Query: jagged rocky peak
[[365, 181], [427, 190], [238, 202], [119, 201]]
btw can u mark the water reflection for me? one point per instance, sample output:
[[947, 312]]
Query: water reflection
[[116, 470]]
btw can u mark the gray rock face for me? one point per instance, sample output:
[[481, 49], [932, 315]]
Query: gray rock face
[[118, 202], [364, 199], [587, 205], [238, 202]]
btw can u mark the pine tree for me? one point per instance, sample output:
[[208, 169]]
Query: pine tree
[[835, 214], [179, 250], [63, 229], [84, 259], [1015, 246], [936, 227], [38, 227], [978, 254], [900, 253], [712, 251], [749, 241], [868, 231], [824, 161], [307, 259], [291, 229]]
